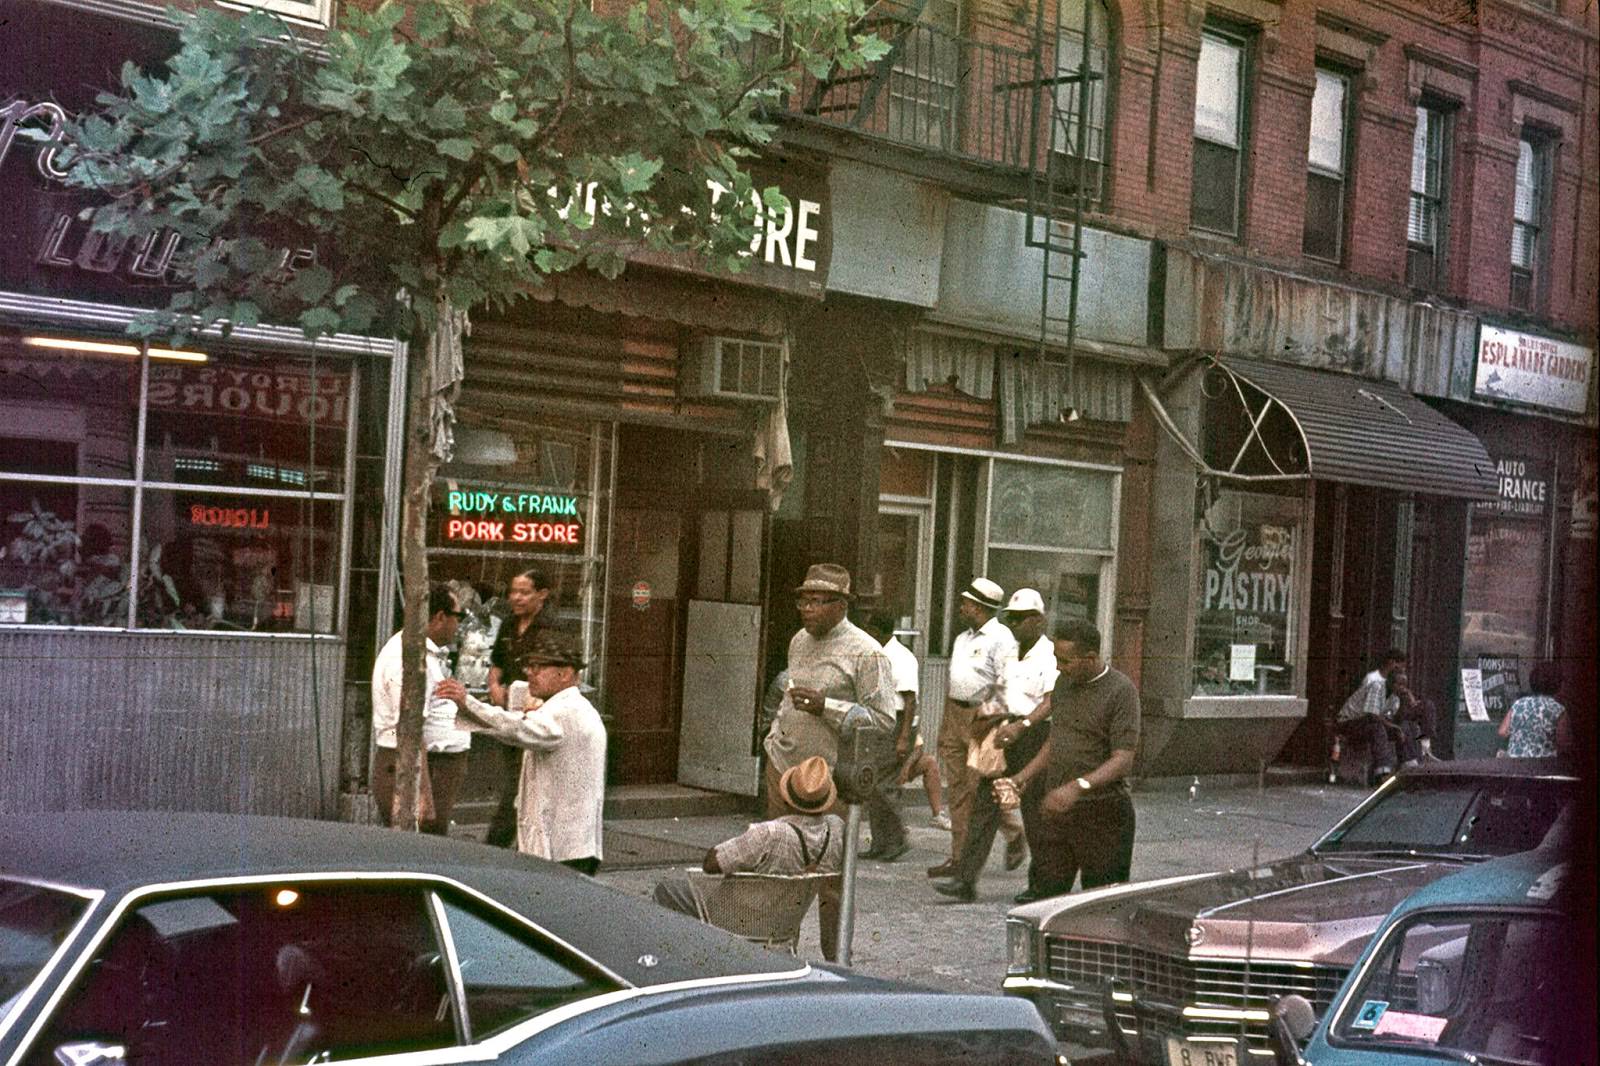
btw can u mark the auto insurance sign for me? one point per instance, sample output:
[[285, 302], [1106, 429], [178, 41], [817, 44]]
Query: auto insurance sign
[[1528, 369]]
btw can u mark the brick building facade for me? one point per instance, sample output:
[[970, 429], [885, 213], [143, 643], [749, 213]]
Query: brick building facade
[[1270, 246]]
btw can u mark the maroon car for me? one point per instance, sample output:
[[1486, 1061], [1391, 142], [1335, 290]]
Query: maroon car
[[1179, 972]]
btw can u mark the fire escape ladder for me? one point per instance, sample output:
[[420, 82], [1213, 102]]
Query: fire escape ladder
[[895, 25], [1059, 175]]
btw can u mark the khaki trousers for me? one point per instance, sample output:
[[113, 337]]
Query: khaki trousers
[[960, 782]]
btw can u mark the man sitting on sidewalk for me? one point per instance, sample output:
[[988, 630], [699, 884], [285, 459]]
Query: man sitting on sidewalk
[[806, 841]]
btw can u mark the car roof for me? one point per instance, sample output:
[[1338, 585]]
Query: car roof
[[119, 851], [1538, 878], [1501, 767]]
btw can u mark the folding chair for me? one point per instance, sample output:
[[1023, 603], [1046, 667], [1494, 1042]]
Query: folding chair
[[765, 909]]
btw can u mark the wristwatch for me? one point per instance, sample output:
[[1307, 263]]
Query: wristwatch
[[1083, 783]]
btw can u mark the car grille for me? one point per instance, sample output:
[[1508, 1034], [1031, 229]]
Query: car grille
[[1182, 981]]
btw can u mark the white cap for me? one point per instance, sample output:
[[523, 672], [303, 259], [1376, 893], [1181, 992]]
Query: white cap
[[985, 592], [1025, 600]]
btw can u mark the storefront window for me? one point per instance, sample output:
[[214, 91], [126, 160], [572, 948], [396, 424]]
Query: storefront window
[[518, 496], [258, 548], [1505, 582], [1247, 604], [1050, 529]]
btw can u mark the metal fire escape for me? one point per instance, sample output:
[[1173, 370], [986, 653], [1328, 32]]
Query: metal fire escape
[[1059, 171]]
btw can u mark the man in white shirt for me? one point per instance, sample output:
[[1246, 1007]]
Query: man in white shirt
[[444, 746], [561, 796], [888, 830], [1020, 731], [977, 684]]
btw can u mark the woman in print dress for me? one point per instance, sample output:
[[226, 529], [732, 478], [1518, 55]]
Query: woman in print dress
[[1536, 726]]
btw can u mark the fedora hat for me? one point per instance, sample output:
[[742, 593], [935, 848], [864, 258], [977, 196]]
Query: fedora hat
[[1024, 601], [552, 649], [808, 787], [826, 577], [986, 593]]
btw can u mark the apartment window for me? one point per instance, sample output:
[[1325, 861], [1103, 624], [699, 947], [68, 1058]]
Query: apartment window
[[318, 12], [1079, 19], [1425, 219], [923, 90], [1527, 246], [1326, 164], [1219, 121]]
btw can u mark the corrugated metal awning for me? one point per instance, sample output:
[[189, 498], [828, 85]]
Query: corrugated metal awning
[[1373, 433]]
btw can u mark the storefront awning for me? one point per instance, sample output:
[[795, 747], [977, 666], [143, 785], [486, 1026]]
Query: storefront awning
[[1272, 422]]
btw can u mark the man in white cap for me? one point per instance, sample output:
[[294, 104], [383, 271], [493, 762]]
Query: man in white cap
[[1019, 729], [977, 678]]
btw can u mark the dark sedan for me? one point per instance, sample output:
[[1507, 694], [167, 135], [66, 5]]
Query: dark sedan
[[1179, 972], [183, 939]]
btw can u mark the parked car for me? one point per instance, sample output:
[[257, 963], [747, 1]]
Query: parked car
[[1493, 633], [1179, 972], [183, 939], [1493, 965]]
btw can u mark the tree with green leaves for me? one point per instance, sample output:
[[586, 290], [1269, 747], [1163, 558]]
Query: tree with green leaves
[[443, 157]]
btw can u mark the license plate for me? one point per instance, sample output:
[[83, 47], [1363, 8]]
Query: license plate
[[1200, 1053]]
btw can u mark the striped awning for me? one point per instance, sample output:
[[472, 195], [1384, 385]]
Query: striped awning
[[1276, 422], [1373, 433]]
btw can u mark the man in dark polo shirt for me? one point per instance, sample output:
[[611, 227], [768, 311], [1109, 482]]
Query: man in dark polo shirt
[[1085, 814]]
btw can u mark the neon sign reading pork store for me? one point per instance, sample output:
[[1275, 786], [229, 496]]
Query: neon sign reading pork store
[[522, 518]]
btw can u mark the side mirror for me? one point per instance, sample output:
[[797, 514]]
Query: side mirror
[[1292, 1022]]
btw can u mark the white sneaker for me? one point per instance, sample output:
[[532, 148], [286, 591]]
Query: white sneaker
[[941, 821]]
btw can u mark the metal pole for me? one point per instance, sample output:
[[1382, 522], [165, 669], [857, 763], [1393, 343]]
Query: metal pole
[[847, 897]]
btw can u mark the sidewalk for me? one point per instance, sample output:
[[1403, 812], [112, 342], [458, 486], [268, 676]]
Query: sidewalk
[[904, 930]]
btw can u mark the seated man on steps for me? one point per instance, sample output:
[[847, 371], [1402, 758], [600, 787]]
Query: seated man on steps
[[809, 840]]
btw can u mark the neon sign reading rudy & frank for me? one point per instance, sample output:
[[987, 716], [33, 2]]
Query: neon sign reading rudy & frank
[[528, 518]]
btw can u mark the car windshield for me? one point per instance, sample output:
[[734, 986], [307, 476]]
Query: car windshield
[[33, 923], [1472, 816], [1487, 986]]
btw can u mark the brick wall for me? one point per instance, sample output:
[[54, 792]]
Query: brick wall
[[1500, 64]]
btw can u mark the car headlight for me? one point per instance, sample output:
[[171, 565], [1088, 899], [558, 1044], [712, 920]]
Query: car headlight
[[1021, 940]]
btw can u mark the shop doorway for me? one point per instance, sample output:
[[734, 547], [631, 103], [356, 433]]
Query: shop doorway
[[683, 613]]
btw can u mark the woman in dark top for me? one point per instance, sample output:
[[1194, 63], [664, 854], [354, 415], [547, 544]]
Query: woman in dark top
[[529, 596]]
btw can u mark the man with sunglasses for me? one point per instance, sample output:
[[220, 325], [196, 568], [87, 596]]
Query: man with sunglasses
[[444, 746]]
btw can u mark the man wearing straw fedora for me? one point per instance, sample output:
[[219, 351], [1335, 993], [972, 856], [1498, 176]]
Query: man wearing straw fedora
[[834, 666], [978, 662], [806, 840], [561, 796]]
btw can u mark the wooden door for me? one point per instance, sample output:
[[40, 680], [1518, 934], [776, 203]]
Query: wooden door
[[642, 643]]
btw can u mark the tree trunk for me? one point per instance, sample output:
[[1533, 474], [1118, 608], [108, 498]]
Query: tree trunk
[[420, 465]]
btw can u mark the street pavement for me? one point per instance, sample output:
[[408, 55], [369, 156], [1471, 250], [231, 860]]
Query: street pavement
[[906, 931]]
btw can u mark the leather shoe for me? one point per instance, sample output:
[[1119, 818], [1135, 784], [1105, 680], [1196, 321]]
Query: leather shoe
[[1016, 853], [1027, 895], [892, 852], [944, 869], [961, 891]]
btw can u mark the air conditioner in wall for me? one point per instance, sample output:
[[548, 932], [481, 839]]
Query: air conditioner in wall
[[732, 368]]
